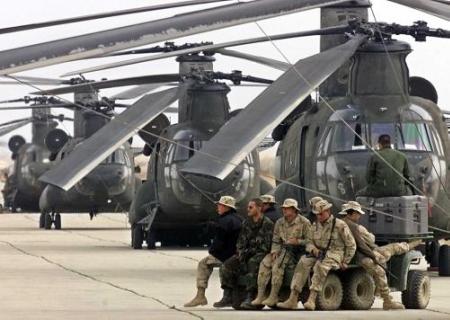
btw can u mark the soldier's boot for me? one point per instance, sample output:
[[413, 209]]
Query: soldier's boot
[[258, 301], [311, 303], [414, 244], [390, 304], [272, 300], [291, 302], [247, 303], [225, 301], [199, 299]]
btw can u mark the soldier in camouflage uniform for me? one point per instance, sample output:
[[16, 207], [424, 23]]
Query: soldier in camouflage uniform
[[382, 179], [330, 246], [371, 257], [252, 246], [288, 243]]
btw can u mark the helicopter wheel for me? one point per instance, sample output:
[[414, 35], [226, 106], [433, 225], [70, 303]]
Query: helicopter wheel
[[57, 221], [41, 221], [47, 221]]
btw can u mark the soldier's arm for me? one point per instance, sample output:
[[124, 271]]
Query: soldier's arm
[[276, 239], [349, 242], [266, 240], [242, 239], [368, 237], [306, 229], [309, 243]]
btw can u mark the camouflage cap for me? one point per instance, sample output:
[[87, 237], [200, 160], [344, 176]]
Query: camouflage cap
[[227, 201], [268, 198], [314, 200], [321, 206], [290, 203], [351, 205]]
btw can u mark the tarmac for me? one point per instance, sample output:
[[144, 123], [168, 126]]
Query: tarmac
[[88, 271]]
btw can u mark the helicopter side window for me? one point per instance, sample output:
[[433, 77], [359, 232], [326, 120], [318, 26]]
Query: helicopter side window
[[346, 139], [323, 147], [184, 150], [413, 136], [437, 142]]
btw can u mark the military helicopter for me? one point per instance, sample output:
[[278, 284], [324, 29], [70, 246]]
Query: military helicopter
[[105, 42], [22, 188]]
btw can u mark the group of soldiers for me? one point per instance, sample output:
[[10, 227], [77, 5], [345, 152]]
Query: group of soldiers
[[259, 249]]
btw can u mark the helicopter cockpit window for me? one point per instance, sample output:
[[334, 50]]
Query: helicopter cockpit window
[[117, 157], [413, 136], [186, 149], [323, 147], [346, 139]]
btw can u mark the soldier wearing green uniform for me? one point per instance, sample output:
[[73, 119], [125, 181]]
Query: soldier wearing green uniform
[[253, 245], [372, 257], [288, 243], [330, 246], [382, 175]]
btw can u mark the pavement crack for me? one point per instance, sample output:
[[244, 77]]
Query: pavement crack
[[111, 284]]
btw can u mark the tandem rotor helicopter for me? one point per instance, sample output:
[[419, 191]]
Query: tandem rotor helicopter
[[324, 144]]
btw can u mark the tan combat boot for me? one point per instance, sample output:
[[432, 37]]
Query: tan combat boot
[[199, 299], [311, 303], [390, 304], [291, 302], [414, 244], [272, 300], [259, 297]]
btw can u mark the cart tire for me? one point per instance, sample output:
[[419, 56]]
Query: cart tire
[[330, 298], [359, 289], [418, 290]]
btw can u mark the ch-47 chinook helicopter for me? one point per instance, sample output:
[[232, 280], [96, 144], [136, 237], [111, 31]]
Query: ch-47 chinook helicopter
[[270, 108], [23, 188]]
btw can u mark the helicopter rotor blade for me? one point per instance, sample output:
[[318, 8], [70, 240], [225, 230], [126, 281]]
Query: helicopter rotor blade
[[241, 134], [439, 9], [140, 90], [103, 42], [87, 155], [212, 48], [50, 106], [58, 22], [152, 79], [10, 128], [17, 80], [280, 65]]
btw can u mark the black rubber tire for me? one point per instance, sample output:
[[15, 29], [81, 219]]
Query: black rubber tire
[[47, 221], [444, 261], [330, 298], [137, 237], [41, 221], [150, 239], [237, 297], [359, 289], [57, 221], [418, 290]]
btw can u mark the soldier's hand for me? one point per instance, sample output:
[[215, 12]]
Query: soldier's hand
[[275, 255], [292, 241], [344, 266], [315, 252]]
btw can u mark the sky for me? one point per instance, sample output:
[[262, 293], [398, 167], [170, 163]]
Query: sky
[[430, 59]]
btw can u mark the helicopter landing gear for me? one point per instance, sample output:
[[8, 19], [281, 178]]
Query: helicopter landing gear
[[47, 219], [137, 236]]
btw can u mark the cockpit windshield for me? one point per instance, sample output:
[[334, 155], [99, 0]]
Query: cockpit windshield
[[406, 136], [184, 150], [117, 157]]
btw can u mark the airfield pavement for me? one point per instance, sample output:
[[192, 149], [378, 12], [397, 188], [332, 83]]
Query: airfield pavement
[[88, 271]]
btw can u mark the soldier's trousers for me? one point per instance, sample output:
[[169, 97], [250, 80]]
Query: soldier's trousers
[[234, 267], [383, 254], [320, 272], [204, 270], [273, 269]]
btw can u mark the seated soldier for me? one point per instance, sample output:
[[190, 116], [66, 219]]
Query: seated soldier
[[371, 257], [330, 246], [387, 172], [288, 242], [269, 209], [227, 227], [252, 246]]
